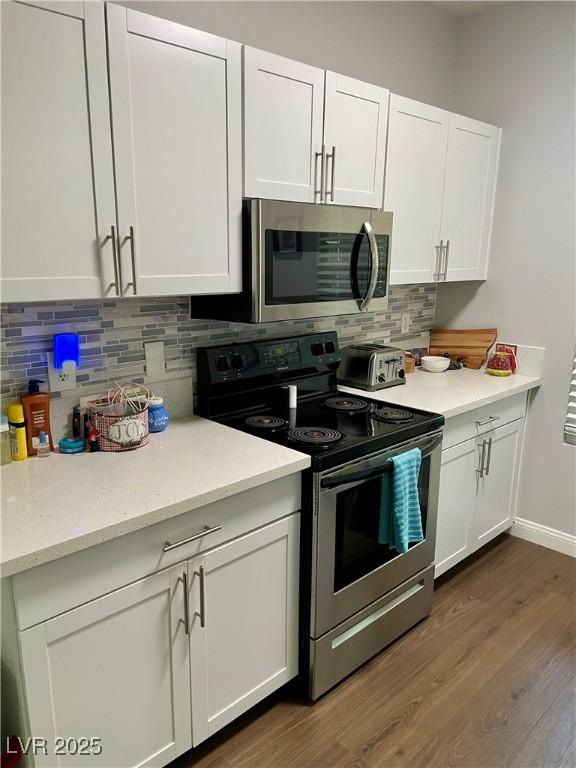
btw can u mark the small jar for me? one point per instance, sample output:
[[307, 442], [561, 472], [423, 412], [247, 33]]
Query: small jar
[[158, 418], [500, 364]]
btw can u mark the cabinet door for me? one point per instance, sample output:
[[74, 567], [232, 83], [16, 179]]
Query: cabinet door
[[415, 168], [355, 124], [283, 109], [471, 168], [244, 637], [57, 182], [116, 668], [497, 488], [456, 504], [176, 114]]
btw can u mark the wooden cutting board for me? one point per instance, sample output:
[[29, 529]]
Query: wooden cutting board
[[471, 345]]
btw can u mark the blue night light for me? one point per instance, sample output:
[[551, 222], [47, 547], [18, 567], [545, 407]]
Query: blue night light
[[66, 350]]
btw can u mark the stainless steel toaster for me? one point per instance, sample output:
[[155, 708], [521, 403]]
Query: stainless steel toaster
[[371, 366]]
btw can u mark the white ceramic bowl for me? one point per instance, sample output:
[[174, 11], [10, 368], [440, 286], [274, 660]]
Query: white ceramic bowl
[[435, 364]]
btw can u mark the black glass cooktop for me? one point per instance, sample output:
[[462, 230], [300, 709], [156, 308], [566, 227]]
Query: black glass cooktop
[[335, 427]]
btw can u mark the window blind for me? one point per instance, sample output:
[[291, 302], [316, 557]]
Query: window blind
[[570, 423]]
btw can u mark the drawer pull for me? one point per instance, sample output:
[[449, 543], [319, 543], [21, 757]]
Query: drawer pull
[[488, 421], [168, 547], [365, 623]]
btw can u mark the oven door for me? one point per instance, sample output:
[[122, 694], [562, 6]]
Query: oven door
[[351, 569], [312, 261]]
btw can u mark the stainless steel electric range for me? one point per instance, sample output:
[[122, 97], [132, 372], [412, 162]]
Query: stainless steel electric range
[[357, 595]]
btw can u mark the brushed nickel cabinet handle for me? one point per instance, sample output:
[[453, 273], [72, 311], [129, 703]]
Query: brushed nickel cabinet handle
[[480, 470], [436, 274], [168, 547], [112, 236], [489, 457], [202, 614], [332, 155], [488, 421], [186, 619], [439, 254], [322, 156], [130, 237], [446, 257]]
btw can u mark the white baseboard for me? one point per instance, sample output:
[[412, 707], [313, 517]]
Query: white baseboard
[[546, 537]]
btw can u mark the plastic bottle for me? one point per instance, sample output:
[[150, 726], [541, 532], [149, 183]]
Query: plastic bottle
[[43, 447], [36, 406], [158, 418], [17, 428]]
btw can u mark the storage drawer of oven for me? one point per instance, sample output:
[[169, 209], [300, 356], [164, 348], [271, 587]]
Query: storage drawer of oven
[[345, 648]]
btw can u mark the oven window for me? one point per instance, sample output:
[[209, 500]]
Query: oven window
[[303, 267], [358, 510]]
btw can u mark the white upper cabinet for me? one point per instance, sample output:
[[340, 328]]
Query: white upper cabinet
[[415, 170], [440, 182], [283, 111], [311, 136], [57, 183], [176, 115], [471, 168], [355, 123]]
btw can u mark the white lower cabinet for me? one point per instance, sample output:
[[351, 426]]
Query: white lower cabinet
[[477, 500], [455, 504], [154, 668], [244, 619], [496, 496], [116, 669]]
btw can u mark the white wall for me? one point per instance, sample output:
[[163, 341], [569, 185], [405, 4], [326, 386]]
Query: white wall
[[515, 68], [407, 47]]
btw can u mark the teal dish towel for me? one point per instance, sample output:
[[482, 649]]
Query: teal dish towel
[[400, 516]]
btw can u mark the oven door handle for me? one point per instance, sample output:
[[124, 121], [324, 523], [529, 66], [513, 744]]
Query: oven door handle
[[345, 478], [353, 477], [374, 265]]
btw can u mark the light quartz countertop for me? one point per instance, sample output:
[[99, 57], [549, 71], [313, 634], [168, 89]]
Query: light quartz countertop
[[59, 505], [451, 392]]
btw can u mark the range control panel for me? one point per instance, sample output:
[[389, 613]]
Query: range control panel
[[233, 362]]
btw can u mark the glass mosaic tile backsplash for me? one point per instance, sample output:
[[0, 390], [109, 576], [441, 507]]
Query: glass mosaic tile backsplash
[[113, 334]]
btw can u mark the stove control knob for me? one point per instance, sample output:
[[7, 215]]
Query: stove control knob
[[381, 378], [401, 373], [222, 363], [237, 362]]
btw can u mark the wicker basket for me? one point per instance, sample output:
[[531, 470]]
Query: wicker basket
[[121, 433]]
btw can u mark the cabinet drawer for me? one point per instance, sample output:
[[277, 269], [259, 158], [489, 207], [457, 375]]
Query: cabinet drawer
[[355, 641], [481, 420], [60, 585]]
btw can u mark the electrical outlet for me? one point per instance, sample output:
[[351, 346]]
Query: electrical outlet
[[155, 360], [62, 379], [405, 327]]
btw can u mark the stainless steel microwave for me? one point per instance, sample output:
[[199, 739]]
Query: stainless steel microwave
[[302, 260]]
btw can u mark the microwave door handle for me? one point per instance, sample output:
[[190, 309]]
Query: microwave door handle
[[374, 264]]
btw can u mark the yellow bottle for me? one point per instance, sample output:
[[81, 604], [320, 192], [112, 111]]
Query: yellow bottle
[[17, 426]]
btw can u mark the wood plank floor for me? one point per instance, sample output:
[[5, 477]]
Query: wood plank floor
[[488, 680]]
